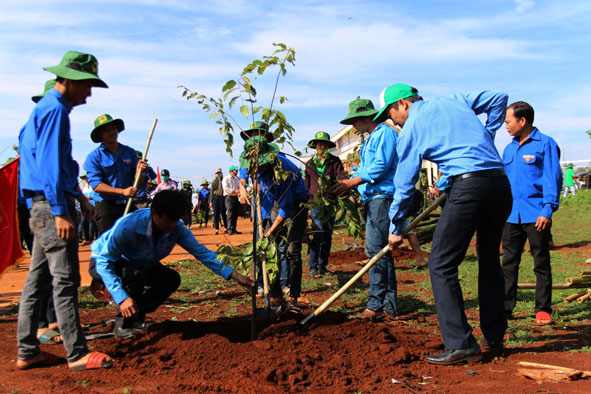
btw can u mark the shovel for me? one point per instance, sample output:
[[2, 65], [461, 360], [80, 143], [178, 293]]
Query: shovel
[[270, 312], [372, 261]]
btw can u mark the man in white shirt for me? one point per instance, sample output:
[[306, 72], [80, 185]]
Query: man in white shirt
[[231, 185]]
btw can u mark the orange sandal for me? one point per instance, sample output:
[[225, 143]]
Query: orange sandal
[[95, 360], [543, 318]]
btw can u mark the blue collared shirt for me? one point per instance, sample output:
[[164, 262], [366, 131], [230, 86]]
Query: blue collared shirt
[[131, 239], [102, 166], [45, 146], [286, 193], [378, 161], [149, 174], [446, 131], [534, 172]]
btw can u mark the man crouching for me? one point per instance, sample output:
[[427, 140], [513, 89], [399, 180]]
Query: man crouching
[[128, 260]]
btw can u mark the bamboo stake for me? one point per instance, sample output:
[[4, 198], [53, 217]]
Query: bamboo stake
[[584, 298], [553, 367], [139, 174], [571, 281], [573, 297]]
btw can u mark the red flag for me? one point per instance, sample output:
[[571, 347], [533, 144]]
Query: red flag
[[10, 241], [158, 175]]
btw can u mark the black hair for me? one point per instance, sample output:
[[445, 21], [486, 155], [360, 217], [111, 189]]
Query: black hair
[[170, 203], [521, 109], [410, 99], [59, 80]]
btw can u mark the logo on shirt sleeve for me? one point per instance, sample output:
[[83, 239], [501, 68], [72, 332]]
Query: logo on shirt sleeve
[[528, 158], [128, 162]]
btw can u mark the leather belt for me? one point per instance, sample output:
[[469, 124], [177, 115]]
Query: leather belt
[[497, 172]]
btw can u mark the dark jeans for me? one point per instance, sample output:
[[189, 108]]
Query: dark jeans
[[232, 211], [219, 212], [514, 237], [54, 261], [87, 228], [481, 205], [321, 241], [382, 275], [160, 281], [24, 228], [204, 217], [289, 244]]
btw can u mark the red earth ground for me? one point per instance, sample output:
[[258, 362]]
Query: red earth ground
[[335, 353]]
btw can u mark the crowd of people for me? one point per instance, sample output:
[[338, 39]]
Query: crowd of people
[[510, 198]]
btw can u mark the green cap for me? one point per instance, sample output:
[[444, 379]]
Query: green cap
[[258, 147], [48, 85], [392, 94], [204, 183], [102, 120], [359, 108], [187, 182], [257, 128], [233, 168], [570, 165], [321, 136], [78, 66]]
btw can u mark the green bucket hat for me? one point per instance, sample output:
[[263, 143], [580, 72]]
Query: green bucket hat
[[78, 66], [204, 183], [48, 85], [187, 182], [359, 108], [392, 94], [233, 168], [266, 152], [102, 120], [257, 128], [321, 136], [570, 165]]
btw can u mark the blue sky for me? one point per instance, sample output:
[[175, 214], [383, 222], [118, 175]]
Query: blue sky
[[537, 51]]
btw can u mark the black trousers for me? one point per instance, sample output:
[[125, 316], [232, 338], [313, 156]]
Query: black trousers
[[149, 288], [514, 237], [478, 205], [232, 211], [219, 212]]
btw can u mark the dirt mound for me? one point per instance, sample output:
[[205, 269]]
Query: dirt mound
[[286, 357], [358, 254]]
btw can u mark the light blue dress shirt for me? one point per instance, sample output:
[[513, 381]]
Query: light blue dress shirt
[[446, 130]]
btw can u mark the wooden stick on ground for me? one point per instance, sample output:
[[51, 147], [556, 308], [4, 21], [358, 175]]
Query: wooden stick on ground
[[573, 297], [584, 298], [553, 367]]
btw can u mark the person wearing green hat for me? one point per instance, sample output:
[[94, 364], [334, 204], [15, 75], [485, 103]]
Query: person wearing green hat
[[217, 201], [187, 193], [322, 171], [142, 199], [447, 131], [258, 128], [111, 170], [569, 180], [203, 203], [231, 185], [288, 194], [49, 84], [373, 180], [49, 180]]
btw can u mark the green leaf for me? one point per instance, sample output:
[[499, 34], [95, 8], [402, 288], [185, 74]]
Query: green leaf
[[282, 99], [229, 85], [244, 111], [231, 103]]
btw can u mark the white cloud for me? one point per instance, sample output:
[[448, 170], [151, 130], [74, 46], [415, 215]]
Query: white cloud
[[524, 5]]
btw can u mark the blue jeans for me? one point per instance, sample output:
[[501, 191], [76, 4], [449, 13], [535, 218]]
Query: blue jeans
[[382, 276], [54, 262], [321, 241]]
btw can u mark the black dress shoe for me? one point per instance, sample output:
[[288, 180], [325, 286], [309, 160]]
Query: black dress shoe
[[491, 346], [455, 356], [126, 332]]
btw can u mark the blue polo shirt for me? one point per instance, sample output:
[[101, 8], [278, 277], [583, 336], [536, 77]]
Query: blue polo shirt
[[377, 165], [290, 189], [45, 146], [132, 239], [446, 130], [102, 166], [534, 172]]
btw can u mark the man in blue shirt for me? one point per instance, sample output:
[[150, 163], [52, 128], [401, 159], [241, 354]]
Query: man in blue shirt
[[447, 131], [373, 180], [111, 170], [128, 259], [49, 180], [289, 194], [532, 162]]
